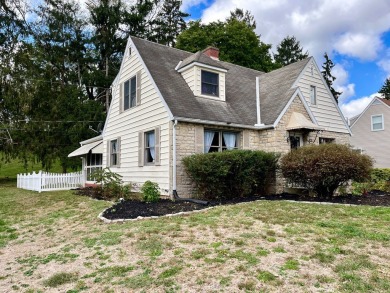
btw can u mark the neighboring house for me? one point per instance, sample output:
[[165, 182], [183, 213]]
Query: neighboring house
[[168, 104], [371, 132]]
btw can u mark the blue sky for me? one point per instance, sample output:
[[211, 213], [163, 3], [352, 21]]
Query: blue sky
[[354, 33]]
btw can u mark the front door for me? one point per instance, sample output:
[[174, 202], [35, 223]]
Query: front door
[[296, 140]]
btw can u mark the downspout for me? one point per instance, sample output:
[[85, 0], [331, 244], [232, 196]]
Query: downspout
[[174, 173], [258, 102]]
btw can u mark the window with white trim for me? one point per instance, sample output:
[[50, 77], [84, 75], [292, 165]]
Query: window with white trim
[[325, 140], [313, 95], [210, 83], [114, 152], [130, 93], [150, 150], [377, 122], [93, 163], [218, 141]]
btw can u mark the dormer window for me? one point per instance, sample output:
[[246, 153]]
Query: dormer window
[[210, 83]]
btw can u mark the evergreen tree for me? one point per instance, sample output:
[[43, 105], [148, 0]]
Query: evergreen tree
[[289, 51], [329, 78], [58, 110], [169, 23], [105, 16], [385, 90], [237, 42]]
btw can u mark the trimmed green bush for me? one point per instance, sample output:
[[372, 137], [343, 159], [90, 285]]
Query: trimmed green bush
[[323, 168], [230, 174], [150, 191]]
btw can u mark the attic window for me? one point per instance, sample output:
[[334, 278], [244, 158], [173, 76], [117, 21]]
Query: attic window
[[313, 95], [130, 93], [210, 84]]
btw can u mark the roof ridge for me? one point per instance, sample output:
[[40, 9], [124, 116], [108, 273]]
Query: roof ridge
[[165, 46], [201, 51]]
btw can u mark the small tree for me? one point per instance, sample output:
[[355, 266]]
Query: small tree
[[385, 90], [323, 168]]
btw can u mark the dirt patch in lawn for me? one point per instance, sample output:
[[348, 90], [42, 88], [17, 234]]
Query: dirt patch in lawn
[[131, 209]]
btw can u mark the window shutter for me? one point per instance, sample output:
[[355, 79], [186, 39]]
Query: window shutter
[[199, 139], [121, 97], [140, 148], [157, 140], [108, 154], [119, 152], [245, 139], [138, 78]]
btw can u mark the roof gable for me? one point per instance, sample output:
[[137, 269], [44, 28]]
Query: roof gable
[[375, 101]]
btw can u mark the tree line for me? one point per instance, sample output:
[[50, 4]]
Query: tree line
[[57, 63]]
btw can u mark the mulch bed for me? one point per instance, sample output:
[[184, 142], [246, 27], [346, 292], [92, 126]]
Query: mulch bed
[[132, 209]]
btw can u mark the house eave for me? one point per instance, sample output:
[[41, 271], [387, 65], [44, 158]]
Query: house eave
[[226, 124], [202, 65]]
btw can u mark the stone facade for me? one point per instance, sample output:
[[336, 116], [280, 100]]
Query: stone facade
[[270, 140]]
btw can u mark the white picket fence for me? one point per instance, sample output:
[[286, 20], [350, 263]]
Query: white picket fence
[[43, 181]]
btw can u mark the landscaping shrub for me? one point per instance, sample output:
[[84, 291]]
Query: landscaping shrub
[[109, 186], [322, 168], [379, 180], [150, 191], [230, 174]]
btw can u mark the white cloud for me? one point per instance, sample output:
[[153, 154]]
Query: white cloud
[[384, 63], [341, 84], [355, 107], [363, 46], [353, 27]]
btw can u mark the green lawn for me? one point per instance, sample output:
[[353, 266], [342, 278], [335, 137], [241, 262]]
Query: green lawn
[[53, 242], [9, 169]]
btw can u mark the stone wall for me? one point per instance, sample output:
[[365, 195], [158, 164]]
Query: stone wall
[[270, 140]]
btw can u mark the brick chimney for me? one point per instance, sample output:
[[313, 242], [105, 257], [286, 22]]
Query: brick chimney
[[212, 52]]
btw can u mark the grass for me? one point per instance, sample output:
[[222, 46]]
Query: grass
[[261, 247], [9, 168]]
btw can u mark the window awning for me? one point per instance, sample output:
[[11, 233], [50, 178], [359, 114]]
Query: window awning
[[299, 121], [95, 147]]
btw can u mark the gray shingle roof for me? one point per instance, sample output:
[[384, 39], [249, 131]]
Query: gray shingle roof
[[240, 105]]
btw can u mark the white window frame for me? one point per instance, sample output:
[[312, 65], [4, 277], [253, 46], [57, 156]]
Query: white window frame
[[132, 99], [313, 95], [114, 153], [372, 122], [201, 84], [220, 132], [147, 147]]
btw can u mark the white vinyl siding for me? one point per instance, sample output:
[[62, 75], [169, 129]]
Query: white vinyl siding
[[377, 122], [373, 143], [325, 112], [189, 77], [149, 114]]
